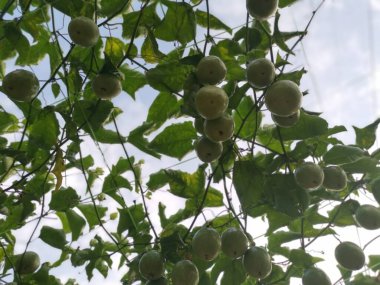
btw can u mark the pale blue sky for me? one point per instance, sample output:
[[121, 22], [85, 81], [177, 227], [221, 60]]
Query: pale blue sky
[[341, 54]]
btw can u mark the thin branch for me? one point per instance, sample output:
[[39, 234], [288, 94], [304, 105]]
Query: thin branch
[[208, 27], [137, 180], [117, 12], [6, 8], [134, 33], [95, 206], [371, 241]]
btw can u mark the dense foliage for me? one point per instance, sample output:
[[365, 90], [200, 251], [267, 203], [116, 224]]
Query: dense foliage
[[157, 45]]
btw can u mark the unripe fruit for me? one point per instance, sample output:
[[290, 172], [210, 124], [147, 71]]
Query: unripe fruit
[[368, 217], [375, 187], [83, 31], [288, 121], [94, 242], [257, 262], [315, 276], [309, 176], [206, 243], [260, 73], [207, 150], [151, 265], [211, 70], [335, 178], [27, 263], [106, 86], [283, 98], [160, 281], [4, 211], [220, 129], [349, 255], [261, 9], [211, 102], [21, 85], [185, 273], [234, 242]]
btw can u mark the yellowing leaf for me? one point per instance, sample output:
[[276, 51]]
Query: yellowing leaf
[[59, 167]]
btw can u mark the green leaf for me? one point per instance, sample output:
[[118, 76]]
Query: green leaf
[[286, 3], [110, 8], [103, 135], [56, 89], [276, 219], [129, 219], [182, 184], [275, 241], [36, 52], [168, 77], [90, 115], [255, 38], [362, 165], [248, 180], [278, 38], [186, 185], [227, 50], [7, 51], [38, 186], [114, 49], [112, 184], [122, 165], [179, 23], [92, 214], [13, 220], [346, 274], [64, 199], [204, 278], [237, 94], [286, 195], [361, 279], [343, 215], [8, 122], [308, 126], [220, 266], [44, 130], [136, 138], [76, 222], [277, 276], [149, 50], [162, 108], [234, 273], [300, 258], [340, 154], [214, 198], [247, 119], [53, 237], [374, 262], [13, 34], [171, 242], [133, 80], [71, 8], [366, 137], [175, 140], [157, 180], [294, 76], [149, 18], [42, 276], [214, 22], [265, 137]]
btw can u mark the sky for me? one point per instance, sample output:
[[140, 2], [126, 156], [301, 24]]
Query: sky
[[340, 53]]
